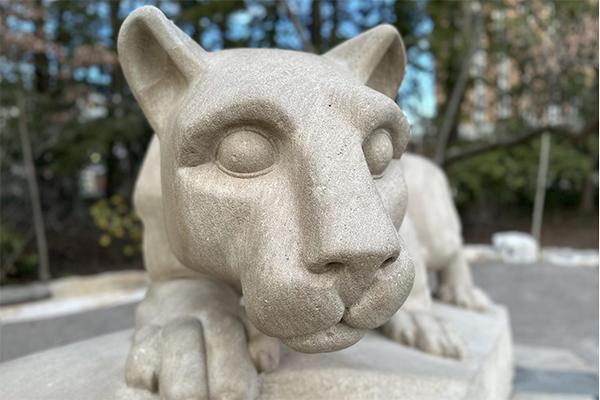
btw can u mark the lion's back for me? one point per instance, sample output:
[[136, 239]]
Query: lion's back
[[431, 208]]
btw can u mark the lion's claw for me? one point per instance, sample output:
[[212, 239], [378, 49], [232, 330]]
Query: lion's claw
[[426, 332], [469, 297], [172, 360]]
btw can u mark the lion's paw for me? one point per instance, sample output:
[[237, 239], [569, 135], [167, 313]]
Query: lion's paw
[[426, 332], [193, 358], [465, 296]]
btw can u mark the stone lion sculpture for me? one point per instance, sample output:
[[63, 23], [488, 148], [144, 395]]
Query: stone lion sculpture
[[271, 197]]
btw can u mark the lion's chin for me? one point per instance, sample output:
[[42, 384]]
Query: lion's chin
[[336, 337]]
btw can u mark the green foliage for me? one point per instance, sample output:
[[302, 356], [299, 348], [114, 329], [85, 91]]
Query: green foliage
[[118, 224], [15, 261], [507, 177], [61, 55]]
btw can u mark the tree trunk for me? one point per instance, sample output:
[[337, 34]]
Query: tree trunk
[[117, 78], [332, 39], [587, 195], [40, 60], [540, 190], [315, 25], [34, 193], [452, 112]]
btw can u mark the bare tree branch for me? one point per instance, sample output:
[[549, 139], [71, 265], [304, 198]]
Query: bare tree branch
[[478, 149], [306, 43]]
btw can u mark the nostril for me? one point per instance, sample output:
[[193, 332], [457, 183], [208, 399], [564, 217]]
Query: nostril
[[323, 268], [389, 262], [332, 266]]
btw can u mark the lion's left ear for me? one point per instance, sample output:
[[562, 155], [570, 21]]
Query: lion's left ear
[[377, 57], [159, 62]]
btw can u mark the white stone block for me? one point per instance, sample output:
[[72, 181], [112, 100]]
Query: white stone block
[[516, 247], [374, 368]]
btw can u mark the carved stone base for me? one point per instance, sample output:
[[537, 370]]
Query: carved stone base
[[375, 368]]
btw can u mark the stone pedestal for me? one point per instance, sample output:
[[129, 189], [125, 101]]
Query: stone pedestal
[[375, 368]]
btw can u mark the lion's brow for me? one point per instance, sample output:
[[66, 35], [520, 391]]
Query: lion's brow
[[264, 114]]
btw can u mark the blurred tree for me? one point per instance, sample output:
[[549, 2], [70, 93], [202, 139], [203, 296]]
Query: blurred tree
[[532, 68], [505, 72], [59, 54]]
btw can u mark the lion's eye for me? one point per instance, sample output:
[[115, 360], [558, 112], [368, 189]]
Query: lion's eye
[[378, 150], [245, 154]]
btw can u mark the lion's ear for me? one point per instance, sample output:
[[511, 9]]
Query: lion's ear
[[377, 57], [159, 62]]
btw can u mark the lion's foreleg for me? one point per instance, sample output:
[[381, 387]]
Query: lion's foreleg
[[414, 324], [455, 285]]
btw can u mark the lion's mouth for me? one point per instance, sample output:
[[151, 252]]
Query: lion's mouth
[[336, 337]]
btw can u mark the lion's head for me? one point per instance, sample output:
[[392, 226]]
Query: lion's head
[[281, 174]]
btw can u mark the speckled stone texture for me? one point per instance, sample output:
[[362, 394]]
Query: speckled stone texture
[[274, 175], [375, 368], [273, 198]]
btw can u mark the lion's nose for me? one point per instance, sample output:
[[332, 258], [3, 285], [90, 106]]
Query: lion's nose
[[359, 260], [354, 269], [346, 230], [353, 249]]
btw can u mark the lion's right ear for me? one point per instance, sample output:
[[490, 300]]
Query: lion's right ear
[[159, 62], [376, 57]]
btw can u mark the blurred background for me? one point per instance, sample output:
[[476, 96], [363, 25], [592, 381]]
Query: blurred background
[[485, 82], [502, 94]]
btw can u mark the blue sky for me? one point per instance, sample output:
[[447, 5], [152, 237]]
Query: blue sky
[[417, 93], [417, 96]]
